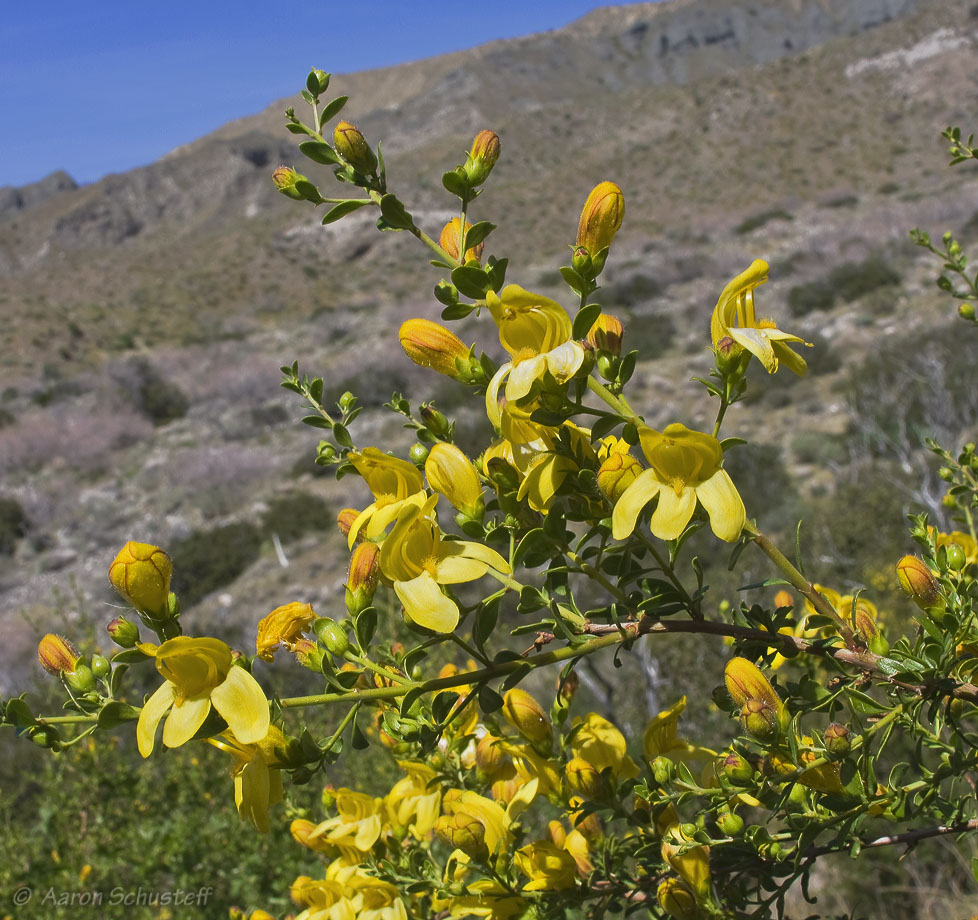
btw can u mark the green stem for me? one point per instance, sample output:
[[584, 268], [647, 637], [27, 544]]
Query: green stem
[[376, 668], [618, 403], [691, 606], [798, 580], [347, 719], [598, 576]]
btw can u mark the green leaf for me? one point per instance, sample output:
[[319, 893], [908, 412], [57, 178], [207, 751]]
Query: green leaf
[[446, 293], [395, 215], [342, 436], [315, 421], [485, 623], [115, 713], [366, 626], [585, 320], [442, 704], [18, 713], [344, 208], [331, 110], [455, 183], [574, 281], [307, 96], [299, 128], [532, 544], [604, 426], [471, 281], [517, 676], [497, 272], [627, 367], [359, 740], [320, 152], [477, 233], [458, 311], [489, 700], [309, 192]]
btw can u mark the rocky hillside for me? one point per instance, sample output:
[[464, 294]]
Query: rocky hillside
[[147, 314]]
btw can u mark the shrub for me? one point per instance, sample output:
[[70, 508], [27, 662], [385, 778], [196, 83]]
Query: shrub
[[210, 559], [813, 295], [13, 524], [853, 280], [759, 220]]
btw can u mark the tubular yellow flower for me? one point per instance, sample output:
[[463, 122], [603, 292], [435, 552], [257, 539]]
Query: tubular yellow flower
[[429, 344], [449, 241], [451, 473], [762, 712], [606, 334], [584, 780], [685, 471], [734, 318], [141, 574], [353, 147], [414, 801], [283, 626], [301, 831], [257, 777], [392, 481], [601, 217], [57, 655], [526, 715], [199, 675], [536, 331], [547, 866], [692, 864], [357, 824], [418, 561]]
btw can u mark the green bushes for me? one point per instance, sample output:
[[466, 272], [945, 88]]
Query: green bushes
[[759, 220], [13, 524], [813, 295], [852, 280], [210, 559]]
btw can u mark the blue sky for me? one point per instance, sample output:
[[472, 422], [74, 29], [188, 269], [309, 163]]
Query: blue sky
[[104, 86]]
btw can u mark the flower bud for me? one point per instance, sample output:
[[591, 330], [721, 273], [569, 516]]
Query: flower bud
[[730, 823], [606, 334], [482, 157], [581, 262], [737, 769], [353, 147], [601, 217], [526, 715], [100, 666], [966, 311], [57, 655], [662, 769], [449, 241], [584, 780], [677, 899], [745, 682], [285, 179], [451, 473], [308, 654], [728, 354], [332, 635], [363, 577], [345, 519], [123, 632], [464, 832], [141, 574], [838, 739], [428, 344], [435, 421], [489, 755], [760, 720], [301, 831], [80, 678], [919, 582], [616, 474]]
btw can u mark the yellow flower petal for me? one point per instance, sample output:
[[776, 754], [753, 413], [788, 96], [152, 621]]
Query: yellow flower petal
[[184, 719], [631, 503], [149, 717], [425, 604], [252, 792], [462, 560], [673, 512], [241, 702], [719, 496]]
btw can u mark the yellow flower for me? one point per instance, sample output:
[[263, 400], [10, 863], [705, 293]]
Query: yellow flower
[[418, 562], [677, 900], [257, 777], [526, 715], [451, 473], [141, 574], [414, 802], [536, 331], [199, 675], [429, 344], [283, 626], [660, 738], [763, 714], [547, 866], [685, 470], [618, 470], [449, 241], [606, 334], [602, 745], [57, 655], [357, 824], [391, 480], [734, 317], [691, 863]]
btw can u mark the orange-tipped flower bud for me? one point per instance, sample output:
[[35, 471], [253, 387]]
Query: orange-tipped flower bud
[[449, 241], [345, 519], [838, 739], [451, 473], [57, 655], [428, 344], [526, 715], [601, 217], [919, 582], [606, 334], [285, 179], [737, 768], [308, 654], [124, 633], [616, 474], [302, 830], [353, 147], [364, 575], [482, 157], [141, 574]]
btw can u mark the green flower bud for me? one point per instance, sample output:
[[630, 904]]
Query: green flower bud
[[737, 769], [124, 633], [418, 454], [760, 720], [332, 635], [100, 666], [838, 739], [81, 679], [482, 157], [662, 769], [730, 823], [919, 582]]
